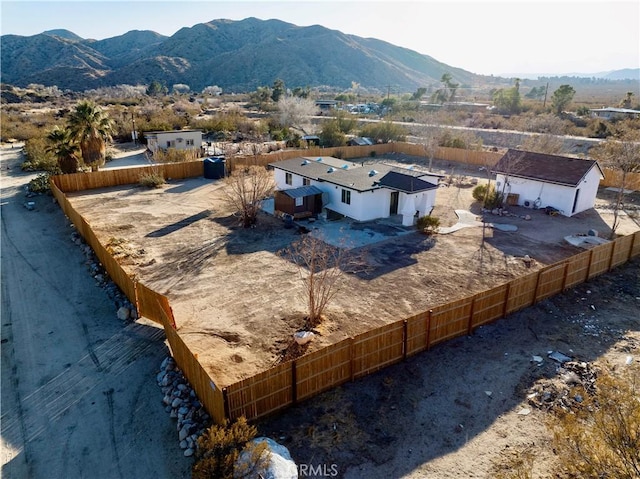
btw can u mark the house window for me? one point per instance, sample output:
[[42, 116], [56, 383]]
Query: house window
[[346, 197], [299, 201], [306, 181], [189, 142], [171, 143], [288, 179]]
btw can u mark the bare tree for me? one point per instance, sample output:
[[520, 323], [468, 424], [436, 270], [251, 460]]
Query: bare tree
[[246, 189], [321, 268], [545, 143], [430, 144], [296, 112], [621, 155]]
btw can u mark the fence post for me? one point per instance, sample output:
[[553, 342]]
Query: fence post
[[225, 401], [590, 265], [429, 329], [470, 323], [564, 277], [535, 293], [294, 382], [352, 358], [506, 300], [613, 249], [404, 339]]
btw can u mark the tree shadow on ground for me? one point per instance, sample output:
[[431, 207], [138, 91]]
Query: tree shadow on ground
[[183, 223]]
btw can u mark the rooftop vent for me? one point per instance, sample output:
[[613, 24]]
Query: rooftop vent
[[331, 169], [373, 172], [319, 159], [345, 167], [304, 162]]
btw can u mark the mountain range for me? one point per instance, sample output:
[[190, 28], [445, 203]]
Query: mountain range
[[235, 55]]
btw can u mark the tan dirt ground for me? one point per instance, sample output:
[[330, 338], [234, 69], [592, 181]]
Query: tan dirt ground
[[237, 302]]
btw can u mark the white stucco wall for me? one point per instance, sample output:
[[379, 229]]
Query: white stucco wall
[[558, 196], [364, 206], [180, 139], [279, 177]]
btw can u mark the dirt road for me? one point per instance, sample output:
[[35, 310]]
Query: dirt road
[[79, 397]]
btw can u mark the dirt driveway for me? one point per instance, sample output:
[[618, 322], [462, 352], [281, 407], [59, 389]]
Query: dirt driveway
[[237, 302], [79, 396]]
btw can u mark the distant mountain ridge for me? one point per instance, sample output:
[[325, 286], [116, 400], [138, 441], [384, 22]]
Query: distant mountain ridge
[[235, 55], [623, 74]]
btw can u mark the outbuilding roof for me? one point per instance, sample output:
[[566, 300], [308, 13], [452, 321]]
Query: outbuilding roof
[[302, 191], [561, 170]]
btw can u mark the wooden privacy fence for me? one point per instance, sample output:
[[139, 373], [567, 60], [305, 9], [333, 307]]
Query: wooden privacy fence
[[278, 387], [126, 176], [351, 358], [151, 305]]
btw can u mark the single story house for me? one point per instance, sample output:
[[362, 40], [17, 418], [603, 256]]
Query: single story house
[[358, 191], [177, 139], [614, 113], [538, 180]]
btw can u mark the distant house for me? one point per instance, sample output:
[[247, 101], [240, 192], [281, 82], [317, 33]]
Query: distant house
[[539, 180], [177, 139], [312, 140], [327, 105], [338, 187], [614, 113]]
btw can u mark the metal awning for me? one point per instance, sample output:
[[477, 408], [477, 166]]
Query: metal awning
[[302, 191]]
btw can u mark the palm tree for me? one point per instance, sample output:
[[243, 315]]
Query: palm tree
[[91, 128], [64, 148]]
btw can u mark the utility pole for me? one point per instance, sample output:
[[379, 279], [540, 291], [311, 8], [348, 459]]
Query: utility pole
[[388, 91], [545, 96]]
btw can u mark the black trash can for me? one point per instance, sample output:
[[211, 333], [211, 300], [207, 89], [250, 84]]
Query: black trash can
[[215, 168]]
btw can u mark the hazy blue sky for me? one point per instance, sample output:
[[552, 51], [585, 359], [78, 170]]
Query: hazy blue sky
[[516, 36]]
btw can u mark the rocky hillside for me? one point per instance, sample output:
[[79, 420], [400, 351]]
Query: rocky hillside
[[235, 55]]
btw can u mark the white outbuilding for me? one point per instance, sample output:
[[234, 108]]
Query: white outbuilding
[[538, 180]]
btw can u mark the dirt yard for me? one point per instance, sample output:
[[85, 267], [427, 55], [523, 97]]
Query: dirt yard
[[237, 302]]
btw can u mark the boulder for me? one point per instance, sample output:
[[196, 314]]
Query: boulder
[[279, 466]]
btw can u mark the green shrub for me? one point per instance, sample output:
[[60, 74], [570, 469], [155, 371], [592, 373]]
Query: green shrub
[[428, 224], [219, 448], [488, 196], [153, 179], [40, 184], [38, 158]]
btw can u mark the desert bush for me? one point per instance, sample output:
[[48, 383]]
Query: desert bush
[[488, 196], [384, 132], [153, 179], [602, 438], [219, 448], [40, 184], [519, 465], [173, 155], [428, 224], [37, 158]]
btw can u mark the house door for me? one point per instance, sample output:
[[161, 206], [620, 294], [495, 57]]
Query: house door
[[575, 202], [395, 198]]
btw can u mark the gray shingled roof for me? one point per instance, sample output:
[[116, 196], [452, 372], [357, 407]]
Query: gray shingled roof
[[560, 170], [357, 177]]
